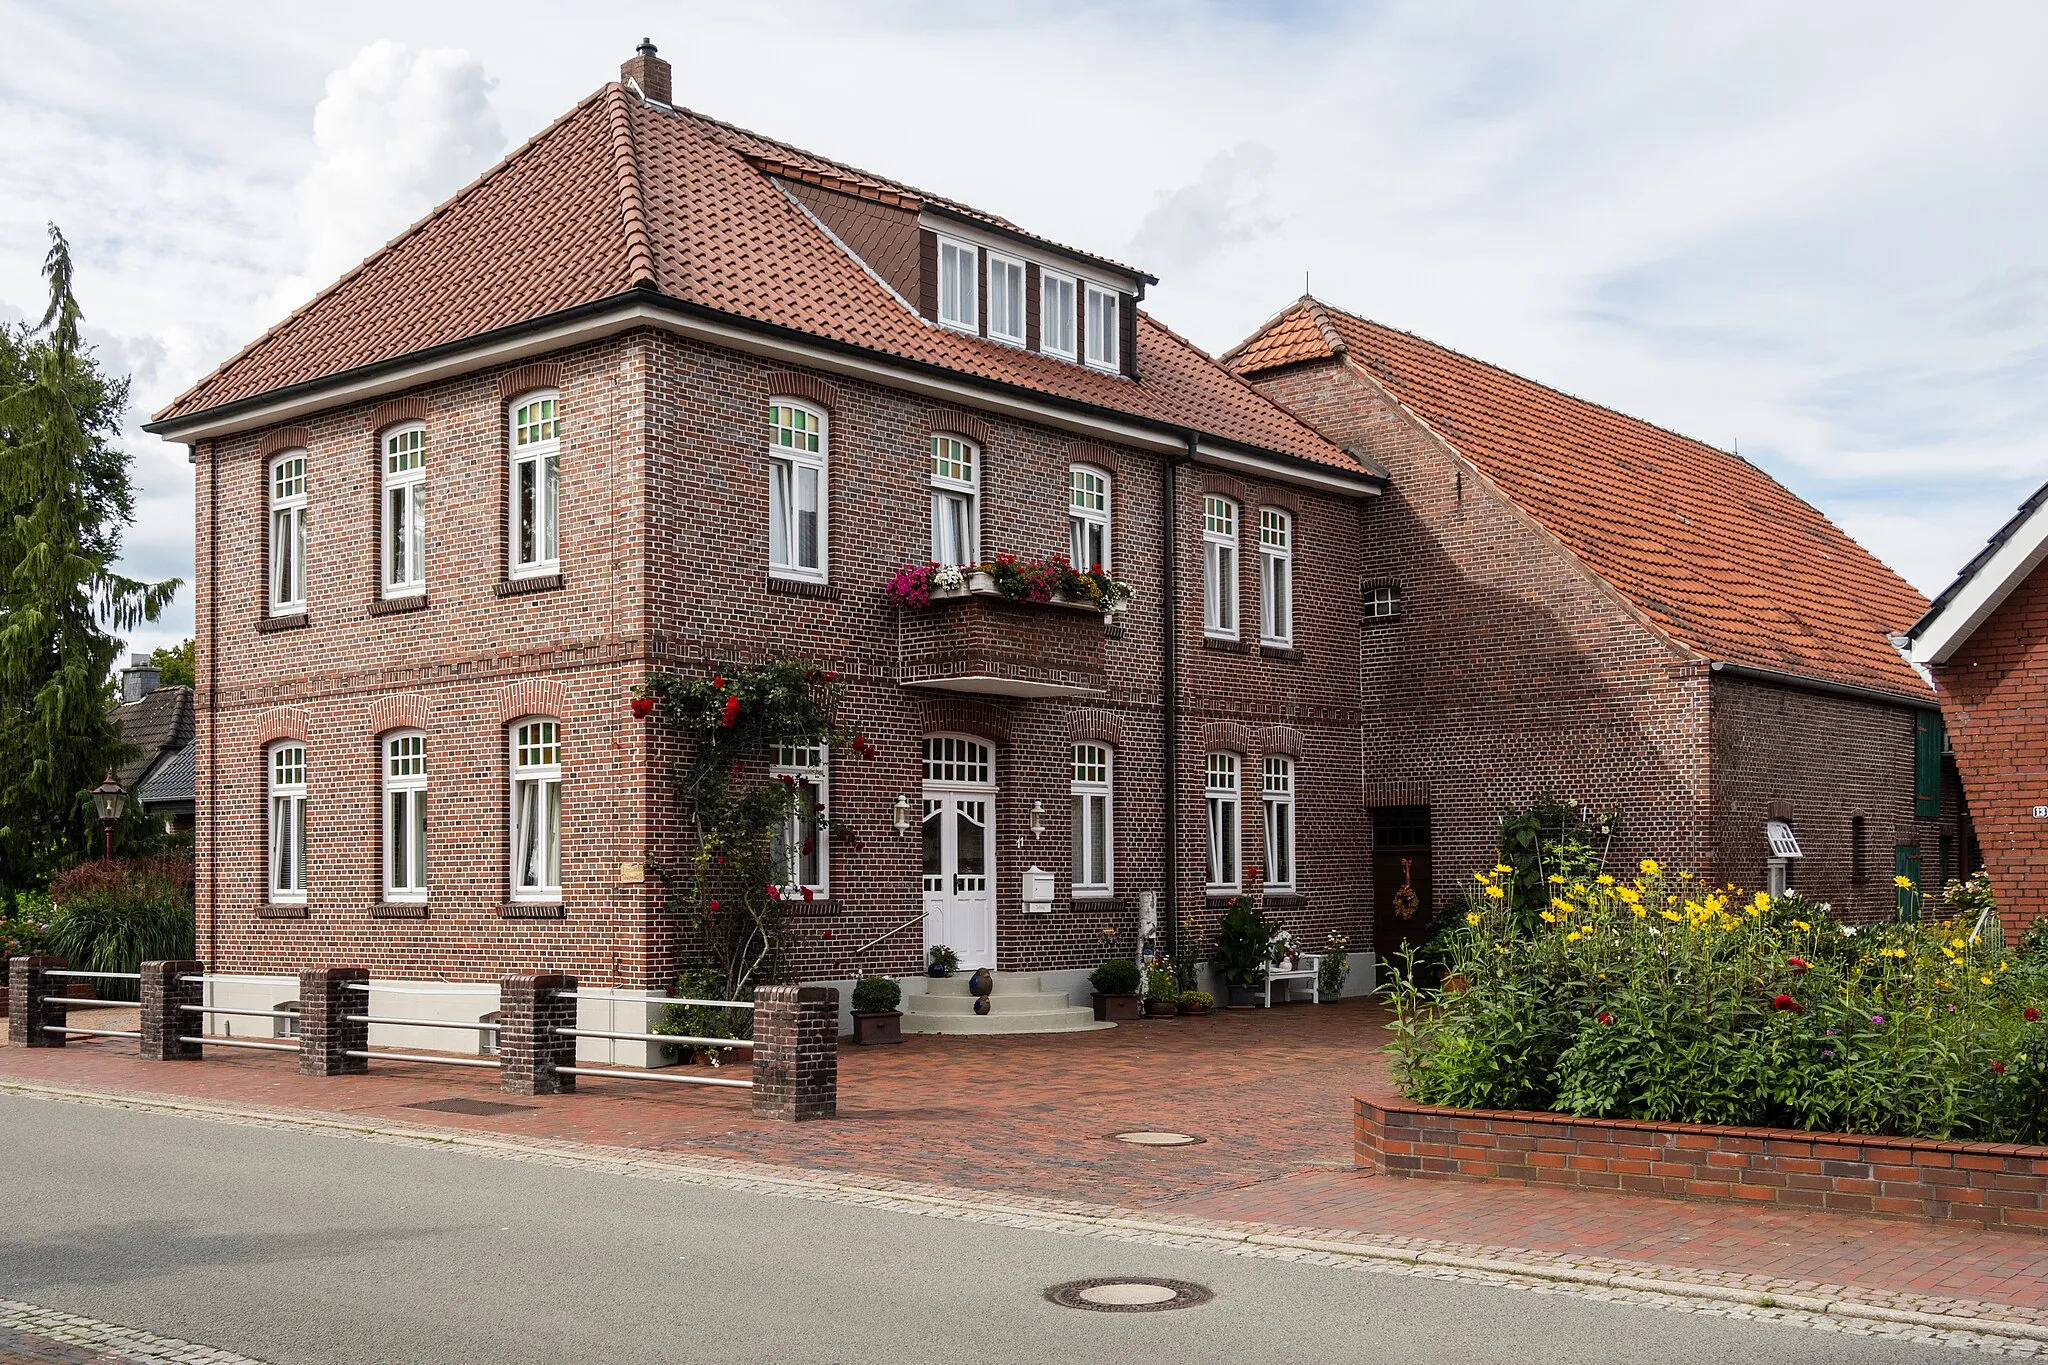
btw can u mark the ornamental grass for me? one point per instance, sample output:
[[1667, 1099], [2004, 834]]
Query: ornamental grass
[[1663, 999]]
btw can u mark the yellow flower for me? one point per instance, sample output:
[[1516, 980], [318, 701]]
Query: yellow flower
[[1549, 917], [1903, 883], [1556, 880], [1605, 879], [1763, 900], [2001, 966], [1984, 980], [1756, 912], [1640, 912], [1479, 877], [1957, 943], [1649, 867], [1574, 936], [1502, 867], [1471, 917], [1559, 903], [1685, 876], [1496, 893], [1671, 915], [1802, 926]]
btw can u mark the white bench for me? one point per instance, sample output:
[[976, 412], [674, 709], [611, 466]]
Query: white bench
[[1310, 970]]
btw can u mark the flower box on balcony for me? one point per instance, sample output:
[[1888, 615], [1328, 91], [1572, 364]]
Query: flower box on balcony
[[974, 639]]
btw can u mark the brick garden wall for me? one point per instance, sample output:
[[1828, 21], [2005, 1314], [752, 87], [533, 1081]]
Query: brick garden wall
[[1991, 1184], [1994, 695]]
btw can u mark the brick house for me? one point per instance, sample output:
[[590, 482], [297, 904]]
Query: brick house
[[1557, 596], [1985, 640], [659, 393]]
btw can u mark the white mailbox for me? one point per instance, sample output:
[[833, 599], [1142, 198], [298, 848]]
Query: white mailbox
[[1037, 891]]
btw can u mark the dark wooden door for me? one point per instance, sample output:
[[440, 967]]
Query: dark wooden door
[[1401, 895]]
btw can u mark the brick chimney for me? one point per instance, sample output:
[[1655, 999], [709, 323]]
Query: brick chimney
[[140, 678], [649, 72]]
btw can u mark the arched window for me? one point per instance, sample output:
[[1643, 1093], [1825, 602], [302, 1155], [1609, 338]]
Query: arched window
[[536, 485], [1221, 796], [288, 533], [956, 502], [1279, 803], [286, 763], [405, 510], [798, 453], [1091, 790], [537, 810], [405, 816], [1087, 518]]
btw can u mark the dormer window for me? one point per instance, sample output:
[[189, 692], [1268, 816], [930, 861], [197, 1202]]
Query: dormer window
[[1056, 315], [1103, 330], [1005, 299], [957, 272]]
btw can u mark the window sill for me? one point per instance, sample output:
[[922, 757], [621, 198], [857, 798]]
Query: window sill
[[394, 606], [282, 912], [1286, 652], [1219, 900], [1286, 900], [297, 621], [821, 905], [802, 587], [533, 910], [1223, 644], [399, 910], [518, 587]]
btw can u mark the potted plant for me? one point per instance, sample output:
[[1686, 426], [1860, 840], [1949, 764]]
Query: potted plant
[[943, 961], [1162, 994], [1244, 945], [1196, 1002], [1116, 990], [1333, 967], [875, 1016]]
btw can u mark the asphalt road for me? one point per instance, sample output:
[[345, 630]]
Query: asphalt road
[[303, 1247]]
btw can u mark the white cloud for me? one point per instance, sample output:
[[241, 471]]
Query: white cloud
[[397, 132], [1225, 207]]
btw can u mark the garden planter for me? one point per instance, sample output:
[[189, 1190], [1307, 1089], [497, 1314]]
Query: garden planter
[[1115, 1009], [1246, 997], [939, 972], [1161, 1009], [1197, 1011], [871, 1029]]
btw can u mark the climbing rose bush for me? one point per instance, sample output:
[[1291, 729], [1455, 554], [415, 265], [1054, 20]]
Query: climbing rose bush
[[1660, 998]]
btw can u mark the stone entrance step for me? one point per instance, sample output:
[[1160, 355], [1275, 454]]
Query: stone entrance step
[[1016, 1005]]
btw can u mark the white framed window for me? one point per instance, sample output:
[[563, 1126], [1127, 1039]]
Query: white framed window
[[1091, 788], [798, 453], [1221, 796], [1382, 603], [288, 533], [1104, 333], [1005, 299], [287, 765], [405, 510], [1219, 567], [956, 510], [537, 810], [952, 759], [799, 845], [1056, 314], [405, 816], [958, 270], [1279, 802], [1276, 577], [1087, 518], [536, 485]]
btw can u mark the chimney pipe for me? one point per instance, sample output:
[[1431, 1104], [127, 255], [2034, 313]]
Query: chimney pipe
[[650, 73], [140, 678]]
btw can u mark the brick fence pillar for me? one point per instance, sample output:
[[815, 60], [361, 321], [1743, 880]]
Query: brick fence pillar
[[28, 984], [796, 1052], [326, 1037], [166, 988], [530, 1051]]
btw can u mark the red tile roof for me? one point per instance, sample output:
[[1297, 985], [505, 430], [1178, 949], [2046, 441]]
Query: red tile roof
[[1719, 554], [619, 194]]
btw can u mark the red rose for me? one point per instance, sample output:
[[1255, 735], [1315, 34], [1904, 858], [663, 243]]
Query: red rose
[[719, 682], [711, 906], [2030, 1014], [1797, 964], [831, 677], [774, 892], [1605, 1017], [808, 894], [732, 713], [643, 707], [1998, 1068], [1788, 1004], [828, 933]]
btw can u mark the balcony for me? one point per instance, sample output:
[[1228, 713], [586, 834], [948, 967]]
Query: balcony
[[974, 639]]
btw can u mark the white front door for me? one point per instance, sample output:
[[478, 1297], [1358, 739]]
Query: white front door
[[959, 892]]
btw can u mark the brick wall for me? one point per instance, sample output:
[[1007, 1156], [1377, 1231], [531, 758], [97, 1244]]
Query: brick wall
[[1994, 695], [1990, 1184]]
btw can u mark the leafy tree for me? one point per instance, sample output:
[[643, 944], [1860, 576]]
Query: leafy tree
[[64, 503], [175, 665]]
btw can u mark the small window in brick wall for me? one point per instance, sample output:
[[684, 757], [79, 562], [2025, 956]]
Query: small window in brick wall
[[1383, 603]]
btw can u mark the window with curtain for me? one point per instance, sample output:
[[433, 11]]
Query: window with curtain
[[405, 816], [955, 485], [958, 306], [405, 511], [1219, 567], [1104, 335], [798, 451], [1087, 518], [1221, 795], [537, 810], [1056, 314], [288, 534], [1090, 787], [536, 485], [1276, 577], [1279, 803], [798, 845], [288, 824], [1005, 299]]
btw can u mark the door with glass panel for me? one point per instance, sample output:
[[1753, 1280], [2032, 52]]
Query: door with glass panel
[[959, 849]]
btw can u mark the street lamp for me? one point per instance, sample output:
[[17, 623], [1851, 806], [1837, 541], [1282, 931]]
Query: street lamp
[[109, 797]]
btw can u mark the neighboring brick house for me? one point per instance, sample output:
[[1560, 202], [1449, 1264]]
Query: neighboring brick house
[[658, 393], [157, 723], [1561, 597], [1985, 640]]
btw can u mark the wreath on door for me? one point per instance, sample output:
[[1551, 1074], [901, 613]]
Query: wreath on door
[[1406, 902]]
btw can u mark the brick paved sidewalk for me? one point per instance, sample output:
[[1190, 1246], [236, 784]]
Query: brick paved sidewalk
[[1268, 1092]]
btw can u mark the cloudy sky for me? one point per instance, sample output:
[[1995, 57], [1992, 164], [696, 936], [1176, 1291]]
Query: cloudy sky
[[1815, 230]]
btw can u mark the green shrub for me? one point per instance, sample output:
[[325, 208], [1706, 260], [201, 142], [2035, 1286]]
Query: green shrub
[[1244, 943], [1334, 967], [944, 958], [24, 920], [113, 917], [876, 995], [1118, 976], [1663, 999], [1160, 984], [703, 1021], [1196, 1000]]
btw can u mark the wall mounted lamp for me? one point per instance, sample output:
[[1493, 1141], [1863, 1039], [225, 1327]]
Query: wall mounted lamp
[[902, 813]]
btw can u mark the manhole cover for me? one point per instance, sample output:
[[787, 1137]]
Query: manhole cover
[[459, 1105], [1133, 1294], [1156, 1139]]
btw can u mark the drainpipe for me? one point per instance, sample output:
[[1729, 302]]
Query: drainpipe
[[1170, 702], [213, 704]]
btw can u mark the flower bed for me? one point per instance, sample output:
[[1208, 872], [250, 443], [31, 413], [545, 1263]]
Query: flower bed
[[1663, 1000]]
